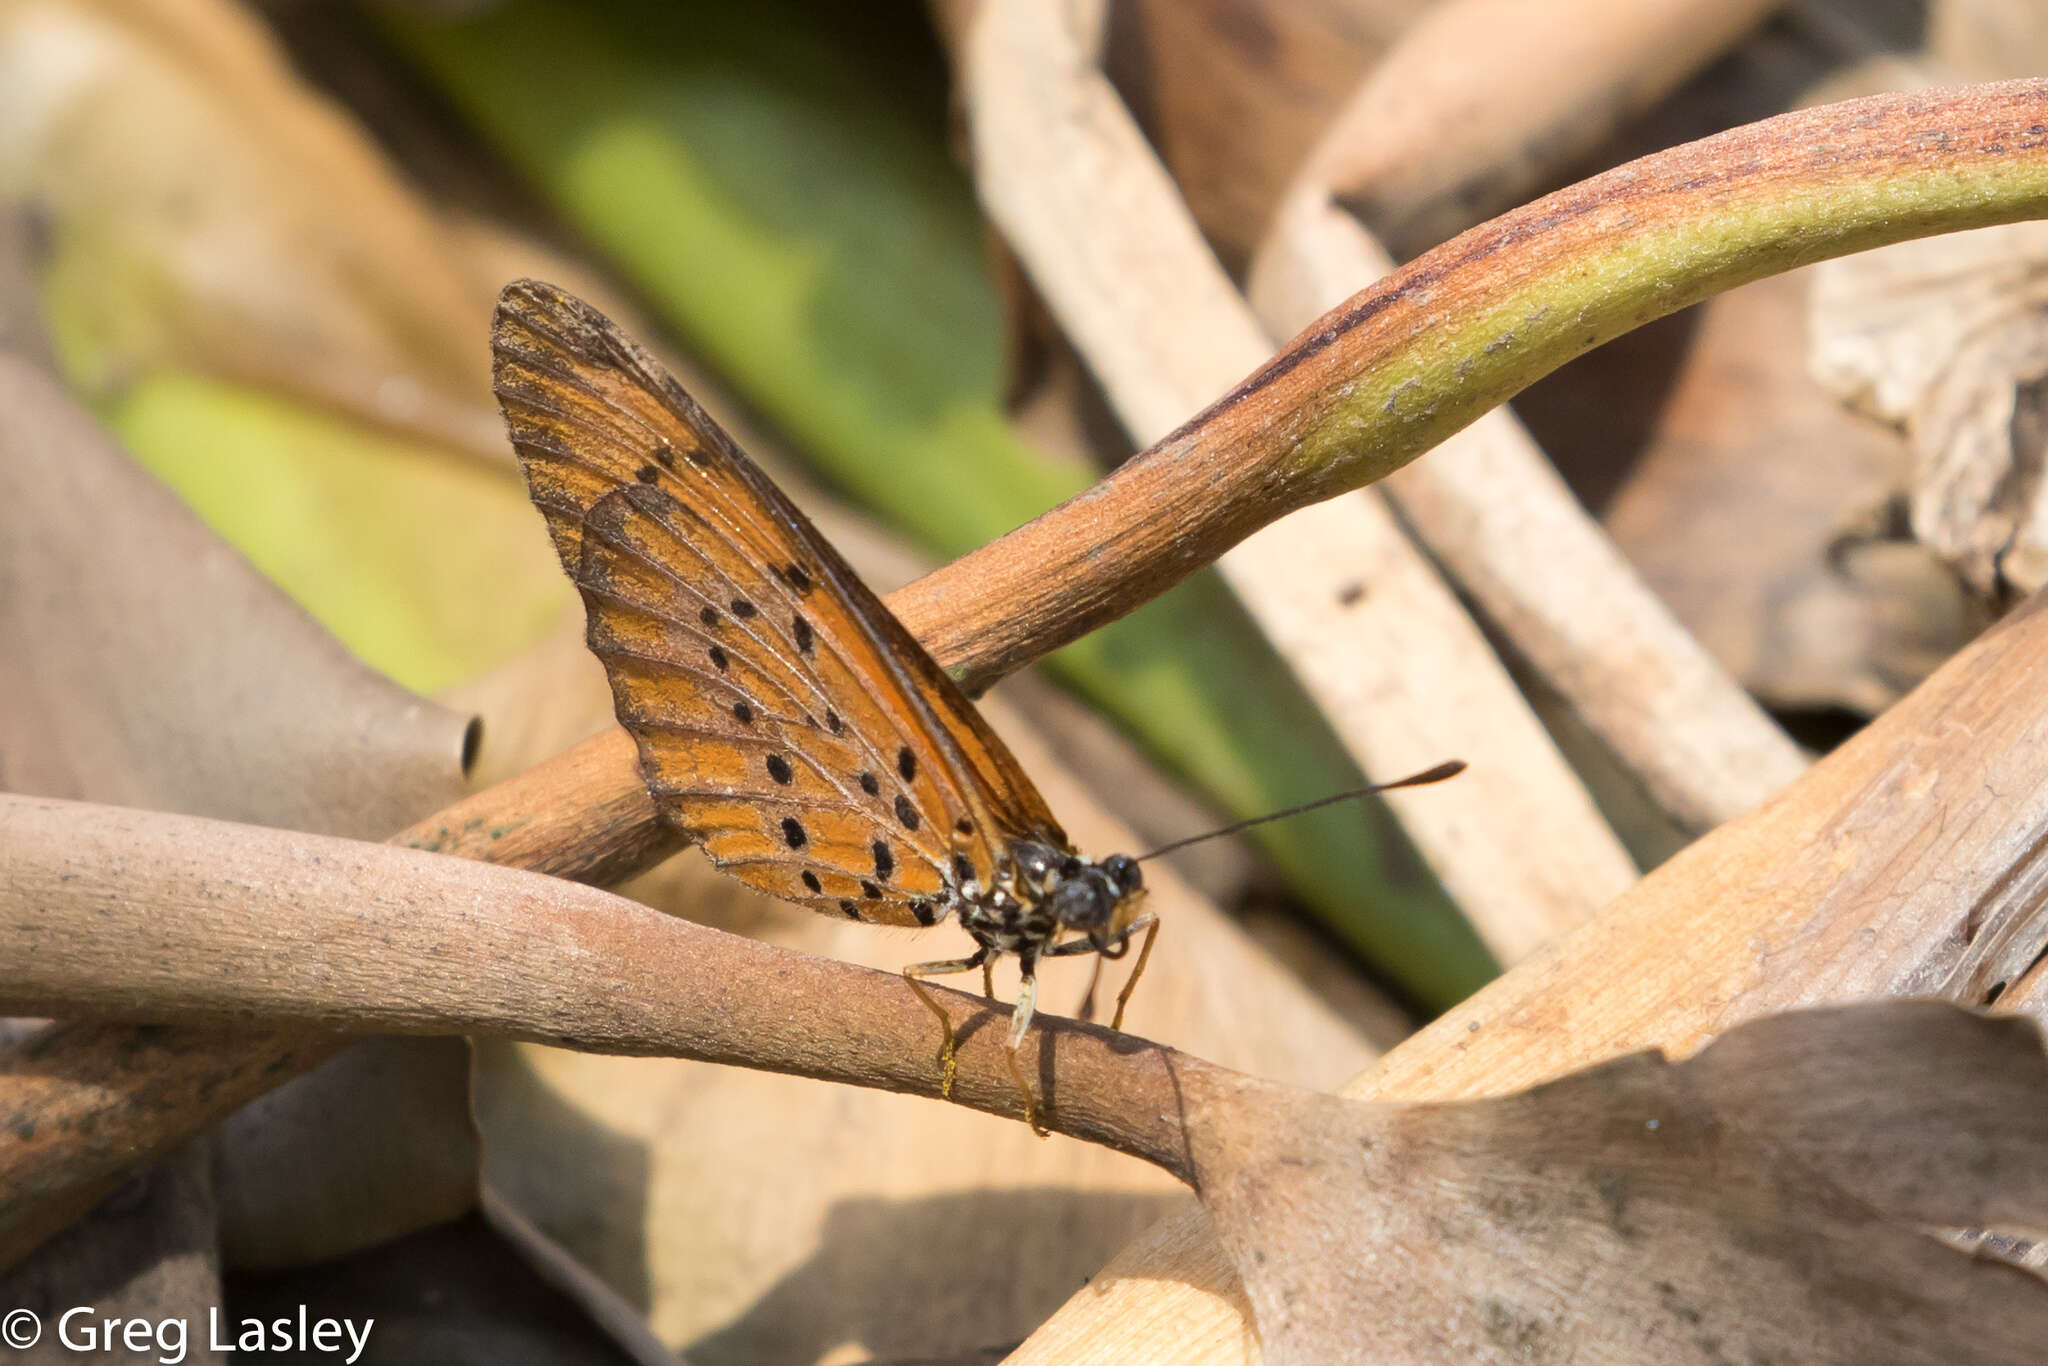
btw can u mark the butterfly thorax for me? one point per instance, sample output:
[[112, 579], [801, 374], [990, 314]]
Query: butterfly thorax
[[1041, 892]]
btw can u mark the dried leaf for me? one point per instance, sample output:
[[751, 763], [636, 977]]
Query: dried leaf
[[146, 663], [208, 211], [372, 1145], [468, 1291], [142, 661], [1949, 339], [1232, 92], [1776, 1198], [1825, 606], [146, 1253]]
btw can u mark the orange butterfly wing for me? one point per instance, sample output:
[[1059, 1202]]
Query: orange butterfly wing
[[785, 719]]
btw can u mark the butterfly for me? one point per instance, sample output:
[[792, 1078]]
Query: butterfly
[[786, 721]]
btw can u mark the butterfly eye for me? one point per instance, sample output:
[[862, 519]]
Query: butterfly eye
[[1123, 871]]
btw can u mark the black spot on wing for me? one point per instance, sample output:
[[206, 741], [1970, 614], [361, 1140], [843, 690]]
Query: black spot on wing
[[742, 609], [869, 785], [885, 861], [905, 812], [779, 770], [906, 763], [811, 881], [793, 832]]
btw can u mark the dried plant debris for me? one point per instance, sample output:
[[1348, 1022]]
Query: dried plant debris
[[369, 1146], [1948, 339], [1831, 603], [206, 211], [171, 674], [1790, 1194], [1780, 1197], [145, 1253]]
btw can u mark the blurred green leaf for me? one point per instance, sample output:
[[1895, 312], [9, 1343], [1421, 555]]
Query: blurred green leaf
[[429, 567], [773, 177]]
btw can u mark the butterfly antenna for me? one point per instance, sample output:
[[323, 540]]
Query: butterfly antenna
[[1449, 769]]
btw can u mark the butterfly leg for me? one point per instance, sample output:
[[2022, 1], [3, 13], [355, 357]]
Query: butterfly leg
[[1147, 922], [1150, 924], [1086, 1014], [988, 978], [948, 1062], [1020, 1024]]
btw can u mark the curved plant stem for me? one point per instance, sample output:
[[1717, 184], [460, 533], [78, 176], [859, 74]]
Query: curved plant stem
[[1426, 350]]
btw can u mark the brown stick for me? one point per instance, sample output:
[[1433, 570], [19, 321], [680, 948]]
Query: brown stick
[[114, 912]]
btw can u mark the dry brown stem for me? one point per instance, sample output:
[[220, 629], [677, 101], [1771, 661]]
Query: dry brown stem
[[1895, 1119], [1425, 351], [145, 915], [115, 912]]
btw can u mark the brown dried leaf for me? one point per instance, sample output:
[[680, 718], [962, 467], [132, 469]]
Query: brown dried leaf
[[1778, 1197], [1233, 92], [372, 1145], [146, 1253], [1948, 338], [467, 1291], [143, 662], [1824, 606]]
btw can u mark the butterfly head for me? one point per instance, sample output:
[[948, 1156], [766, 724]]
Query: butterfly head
[[1098, 899]]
